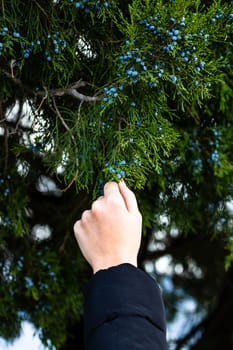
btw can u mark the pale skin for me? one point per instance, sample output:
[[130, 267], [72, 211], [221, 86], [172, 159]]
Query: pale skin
[[109, 233]]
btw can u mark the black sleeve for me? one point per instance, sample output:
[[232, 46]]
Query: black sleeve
[[124, 310]]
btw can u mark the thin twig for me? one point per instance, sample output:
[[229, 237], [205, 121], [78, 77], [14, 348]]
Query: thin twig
[[62, 247], [41, 8], [12, 69], [79, 112], [64, 123], [42, 101], [196, 118], [73, 180], [3, 8], [62, 120], [12, 77]]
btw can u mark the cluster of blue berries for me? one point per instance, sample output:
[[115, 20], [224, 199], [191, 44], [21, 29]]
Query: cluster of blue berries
[[4, 31], [5, 221], [159, 68], [87, 5], [214, 144], [20, 262], [195, 148], [175, 40], [135, 60], [111, 93], [106, 125], [28, 49], [28, 282], [57, 43], [3, 183], [219, 15], [167, 37], [214, 157], [117, 169], [3, 43], [197, 166], [167, 170], [226, 59], [53, 43], [34, 147]]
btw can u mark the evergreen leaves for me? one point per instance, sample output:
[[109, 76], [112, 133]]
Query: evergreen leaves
[[93, 91]]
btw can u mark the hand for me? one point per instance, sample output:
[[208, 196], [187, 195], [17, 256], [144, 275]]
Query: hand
[[110, 233]]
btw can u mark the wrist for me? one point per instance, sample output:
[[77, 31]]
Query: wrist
[[106, 265]]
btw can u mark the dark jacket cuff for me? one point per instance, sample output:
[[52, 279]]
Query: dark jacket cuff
[[122, 291]]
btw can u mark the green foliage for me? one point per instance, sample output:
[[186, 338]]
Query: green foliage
[[13, 216], [166, 62], [93, 91]]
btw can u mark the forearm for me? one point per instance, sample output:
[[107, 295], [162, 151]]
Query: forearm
[[124, 309]]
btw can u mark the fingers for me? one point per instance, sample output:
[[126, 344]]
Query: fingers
[[116, 195], [112, 195], [97, 206], [129, 197], [80, 225], [121, 190], [111, 188], [77, 228]]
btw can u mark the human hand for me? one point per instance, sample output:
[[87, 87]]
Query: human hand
[[109, 233]]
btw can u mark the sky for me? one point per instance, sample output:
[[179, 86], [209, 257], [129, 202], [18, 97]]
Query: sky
[[27, 341]]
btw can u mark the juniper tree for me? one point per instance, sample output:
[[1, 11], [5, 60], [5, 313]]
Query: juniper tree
[[93, 91]]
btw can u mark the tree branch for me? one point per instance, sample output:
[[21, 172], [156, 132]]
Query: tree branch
[[11, 76], [62, 120], [71, 90], [42, 101]]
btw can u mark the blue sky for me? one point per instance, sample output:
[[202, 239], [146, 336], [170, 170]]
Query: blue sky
[[28, 340]]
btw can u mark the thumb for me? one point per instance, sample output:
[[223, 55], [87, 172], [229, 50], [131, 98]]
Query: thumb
[[128, 196]]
